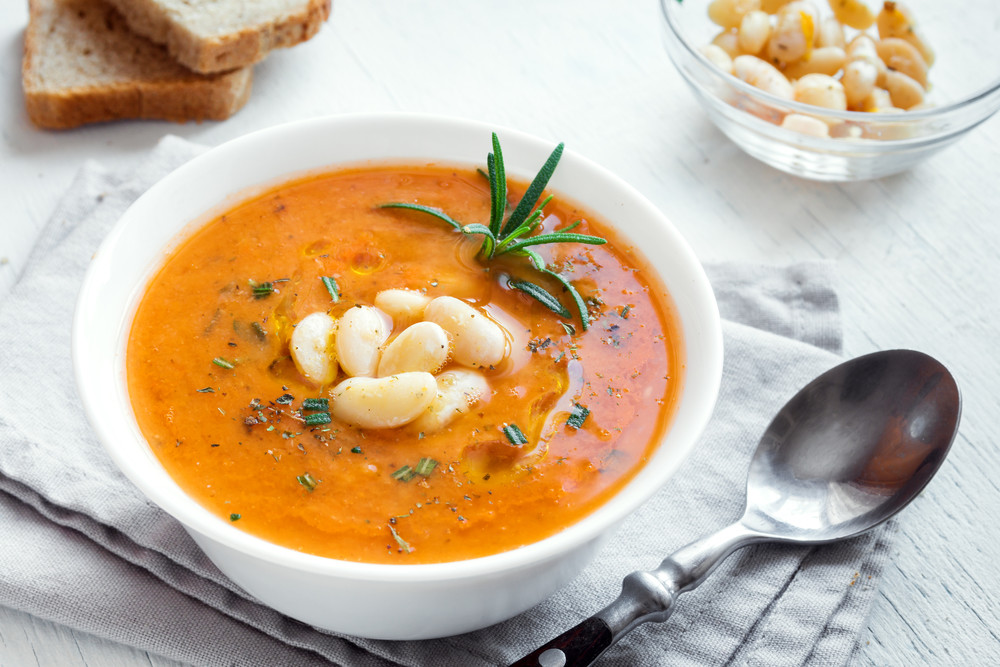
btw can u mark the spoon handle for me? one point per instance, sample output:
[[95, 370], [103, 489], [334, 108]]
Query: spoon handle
[[645, 597]]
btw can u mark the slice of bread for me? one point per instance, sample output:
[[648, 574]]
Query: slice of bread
[[218, 35], [83, 65]]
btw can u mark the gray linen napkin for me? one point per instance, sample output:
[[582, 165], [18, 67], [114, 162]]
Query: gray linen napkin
[[82, 547]]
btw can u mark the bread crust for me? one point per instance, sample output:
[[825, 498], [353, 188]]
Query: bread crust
[[103, 72], [178, 101], [218, 53]]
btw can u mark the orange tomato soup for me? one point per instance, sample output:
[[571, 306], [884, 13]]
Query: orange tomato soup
[[235, 440]]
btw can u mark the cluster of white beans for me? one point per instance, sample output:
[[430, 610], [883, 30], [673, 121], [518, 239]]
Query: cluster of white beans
[[396, 382], [787, 49]]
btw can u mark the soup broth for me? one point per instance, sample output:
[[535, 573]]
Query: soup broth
[[221, 402]]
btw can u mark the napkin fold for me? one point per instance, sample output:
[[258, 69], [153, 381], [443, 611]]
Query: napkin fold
[[82, 547]]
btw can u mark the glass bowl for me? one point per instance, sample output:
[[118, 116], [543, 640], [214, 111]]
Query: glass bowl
[[964, 90]]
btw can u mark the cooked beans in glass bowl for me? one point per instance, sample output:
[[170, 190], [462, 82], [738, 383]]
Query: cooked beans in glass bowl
[[843, 90]]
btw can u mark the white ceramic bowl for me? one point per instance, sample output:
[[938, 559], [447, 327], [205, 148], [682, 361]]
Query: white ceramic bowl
[[375, 600]]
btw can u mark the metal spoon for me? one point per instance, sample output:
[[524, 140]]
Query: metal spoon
[[846, 453]]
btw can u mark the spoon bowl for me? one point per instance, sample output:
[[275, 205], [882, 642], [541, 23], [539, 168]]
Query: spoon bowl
[[852, 448], [847, 452]]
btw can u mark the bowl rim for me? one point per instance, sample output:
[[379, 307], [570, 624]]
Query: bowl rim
[[667, 8], [197, 518]]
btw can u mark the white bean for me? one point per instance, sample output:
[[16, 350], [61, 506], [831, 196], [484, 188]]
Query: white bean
[[853, 13], [807, 8], [457, 391], [718, 57], [805, 125], [904, 91], [820, 90], [859, 81], [772, 6], [896, 20], [423, 346], [360, 333], [729, 13], [728, 41], [900, 55], [479, 342], [402, 305], [792, 37], [863, 48], [827, 60], [830, 33], [311, 348], [754, 32], [382, 402], [878, 100], [762, 75]]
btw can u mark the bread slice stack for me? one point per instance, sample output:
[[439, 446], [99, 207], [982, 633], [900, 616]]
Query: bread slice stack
[[87, 61]]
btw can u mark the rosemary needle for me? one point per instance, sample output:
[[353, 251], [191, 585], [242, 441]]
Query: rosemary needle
[[516, 234]]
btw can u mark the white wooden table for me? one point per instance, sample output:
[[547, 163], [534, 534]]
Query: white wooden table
[[917, 254]]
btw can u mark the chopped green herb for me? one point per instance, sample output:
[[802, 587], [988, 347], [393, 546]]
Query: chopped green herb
[[568, 328], [308, 481], [425, 466], [317, 418], [219, 361], [515, 435], [331, 287], [355, 450], [234, 517], [316, 404], [206, 390], [284, 399], [625, 310], [404, 474], [577, 416], [400, 541], [262, 290]]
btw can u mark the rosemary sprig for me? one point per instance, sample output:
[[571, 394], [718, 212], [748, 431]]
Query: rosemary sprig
[[516, 234]]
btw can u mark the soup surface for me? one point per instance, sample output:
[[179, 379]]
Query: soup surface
[[220, 400]]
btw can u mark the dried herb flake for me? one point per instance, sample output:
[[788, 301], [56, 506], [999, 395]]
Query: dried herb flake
[[577, 416], [515, 435], [308, 481]]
